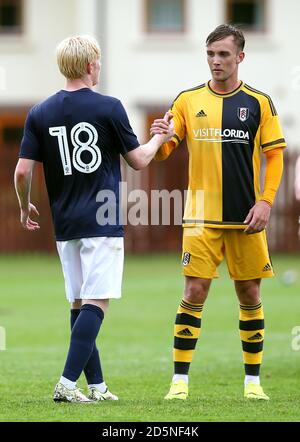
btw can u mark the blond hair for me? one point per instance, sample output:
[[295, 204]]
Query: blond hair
[[74, 53]]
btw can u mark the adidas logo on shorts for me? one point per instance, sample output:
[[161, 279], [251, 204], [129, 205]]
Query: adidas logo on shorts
[[267, 267]]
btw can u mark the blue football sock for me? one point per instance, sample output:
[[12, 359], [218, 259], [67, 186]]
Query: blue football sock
[[83, 336], [92, 370]]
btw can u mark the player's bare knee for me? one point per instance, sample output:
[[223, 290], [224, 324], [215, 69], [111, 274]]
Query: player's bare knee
[[101, 303], [196, 290], [248, 292]]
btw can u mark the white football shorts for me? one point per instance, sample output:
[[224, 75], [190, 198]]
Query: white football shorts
[[92, 267]]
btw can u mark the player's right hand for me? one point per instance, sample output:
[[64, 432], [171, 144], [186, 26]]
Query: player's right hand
[[162, 125], [26, 221]]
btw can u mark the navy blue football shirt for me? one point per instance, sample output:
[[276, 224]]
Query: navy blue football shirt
[[79, 136]]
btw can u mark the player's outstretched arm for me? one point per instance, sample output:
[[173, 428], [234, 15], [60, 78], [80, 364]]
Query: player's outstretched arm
[[23, 177], [140, 157]]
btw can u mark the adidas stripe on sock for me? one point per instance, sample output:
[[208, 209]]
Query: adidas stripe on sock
[[186, 333], [252, 330]]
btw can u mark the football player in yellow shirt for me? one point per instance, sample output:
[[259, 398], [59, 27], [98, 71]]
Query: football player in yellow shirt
[[226, 124]]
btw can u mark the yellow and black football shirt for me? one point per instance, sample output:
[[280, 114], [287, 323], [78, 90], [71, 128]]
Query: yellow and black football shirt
[[224, 135]]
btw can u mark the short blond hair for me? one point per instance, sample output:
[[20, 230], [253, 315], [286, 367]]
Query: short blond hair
[[74, 53]]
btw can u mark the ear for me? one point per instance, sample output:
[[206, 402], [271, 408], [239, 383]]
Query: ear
[[89, 68], [241, 57]]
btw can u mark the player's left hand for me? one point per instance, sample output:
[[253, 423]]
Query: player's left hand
[[257, 217], [26, 221]]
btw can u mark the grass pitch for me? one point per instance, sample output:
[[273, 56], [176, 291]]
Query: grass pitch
[[136, 346]]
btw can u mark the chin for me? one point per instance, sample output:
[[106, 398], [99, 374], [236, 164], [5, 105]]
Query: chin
[[220, 77]]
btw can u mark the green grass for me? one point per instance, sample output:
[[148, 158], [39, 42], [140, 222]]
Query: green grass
[[136, 346]]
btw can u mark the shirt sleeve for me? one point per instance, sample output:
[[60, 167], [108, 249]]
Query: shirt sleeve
[[30, 144], [177, 110], [271, 133], [125, 137], [274, 169]]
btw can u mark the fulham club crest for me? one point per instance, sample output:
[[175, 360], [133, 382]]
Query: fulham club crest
[[243, 113], [186, 258]]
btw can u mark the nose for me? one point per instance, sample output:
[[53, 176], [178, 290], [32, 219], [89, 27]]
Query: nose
[[216, 61]]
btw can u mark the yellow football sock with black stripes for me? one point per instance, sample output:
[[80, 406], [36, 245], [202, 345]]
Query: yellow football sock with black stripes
[[186, 333], [252, 331]]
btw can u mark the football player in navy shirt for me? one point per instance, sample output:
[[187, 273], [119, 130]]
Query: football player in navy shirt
[[78, 135]]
